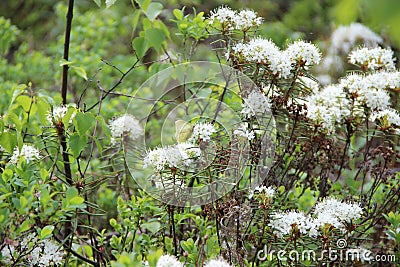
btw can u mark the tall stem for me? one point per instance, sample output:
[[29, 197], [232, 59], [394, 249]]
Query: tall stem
[[68, 232], [66, 51]]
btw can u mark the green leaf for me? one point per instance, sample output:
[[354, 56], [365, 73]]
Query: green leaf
[[144, 4], [153, 227], [64, 62], [77, 143], [17, 91], [140, 45], [153, 10], [46, 231], [178, 14], [71, 192], [155, 37], [75, 201], [7, 175], [8, 141], [24, 101], [83, 122], [80, 71], [98, 2], [104, 126], [110, 3], [25, 226]]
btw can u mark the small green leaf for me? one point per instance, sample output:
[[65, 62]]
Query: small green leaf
[[77, 200], [25, 226], [155, 37], [153, 10], [25, 102], [153, 227], [71, 192], [140, 45], [80, 71], [83, 122], [64, 62], [46, 231], [178, 14], [8, 141], [98, 2], [77, 143]]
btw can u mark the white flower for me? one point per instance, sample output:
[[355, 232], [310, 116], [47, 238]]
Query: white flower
[[217, 263], [304, 52], [255, 103], [388, 117], [168, 261], [370, 90], [246, 19], [42, 253], [328, 107], [267, 192], [309, 84], [202, 131], [230, 19], [171, 156], [126, 125], [345, 37], [373, 58], [258, 50], [57, 114], [46, 254], [8, 253], [243, 131], [284, 223], [336, 213], [225, 16], [280, 64], [376, 99], [28, 152]]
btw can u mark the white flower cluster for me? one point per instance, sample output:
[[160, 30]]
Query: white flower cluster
[[344, 38], [267, 192], [44, 253], [246, 19], [254, 104], [330, 211], [217, 263], [283, 223], [328, 107], [172, 156], [202, 131], [233, 20], [243, 131], [168, 261], [125, 125], [370, 90], [304, 52], [336, 213], [311, 85], [58, 113], [171, 261], [373, 58], [279, 62], [388, 118], [28, 152]]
